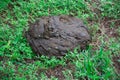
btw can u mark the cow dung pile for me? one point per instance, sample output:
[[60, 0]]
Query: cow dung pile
[[55, 35]]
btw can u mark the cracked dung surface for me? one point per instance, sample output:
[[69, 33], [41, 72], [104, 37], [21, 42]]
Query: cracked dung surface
[[55, 35]]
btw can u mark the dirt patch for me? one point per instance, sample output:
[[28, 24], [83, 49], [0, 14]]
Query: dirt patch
[[116, 63], [58, 71], [111, 26], [108, 28], [55, 35]]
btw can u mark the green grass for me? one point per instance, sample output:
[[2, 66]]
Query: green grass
[[92, 64]]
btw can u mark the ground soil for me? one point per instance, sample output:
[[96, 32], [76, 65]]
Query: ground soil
[[116, 63], [58, 71]]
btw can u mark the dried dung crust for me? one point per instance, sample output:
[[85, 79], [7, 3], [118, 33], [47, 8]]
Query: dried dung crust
[[55, 35]]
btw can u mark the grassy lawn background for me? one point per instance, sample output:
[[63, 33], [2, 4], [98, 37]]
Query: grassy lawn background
[[18, 62]]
